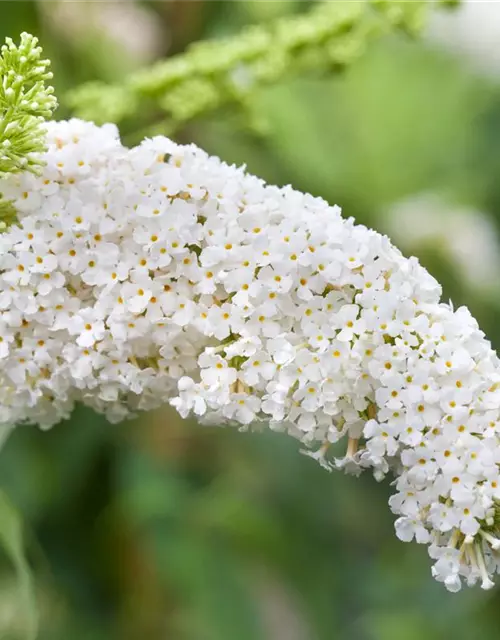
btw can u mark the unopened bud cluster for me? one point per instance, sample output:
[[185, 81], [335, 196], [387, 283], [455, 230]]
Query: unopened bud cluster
[[137, 277], [25, 102]]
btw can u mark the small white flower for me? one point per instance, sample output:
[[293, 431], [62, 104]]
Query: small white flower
[[409, 528]]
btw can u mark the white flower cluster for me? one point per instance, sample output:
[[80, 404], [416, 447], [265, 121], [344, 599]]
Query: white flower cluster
[[141, 276]]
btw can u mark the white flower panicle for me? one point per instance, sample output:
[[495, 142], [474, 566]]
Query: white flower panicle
[[157, 274]]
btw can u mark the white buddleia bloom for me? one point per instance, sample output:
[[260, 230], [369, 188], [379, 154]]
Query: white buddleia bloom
[[136, 277]]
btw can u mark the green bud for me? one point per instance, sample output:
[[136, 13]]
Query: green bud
[[25, 102]]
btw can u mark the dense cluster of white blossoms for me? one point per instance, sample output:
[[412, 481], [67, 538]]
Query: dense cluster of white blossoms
[[136, 277]]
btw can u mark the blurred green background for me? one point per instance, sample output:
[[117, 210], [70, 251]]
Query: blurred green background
[[160, 529]]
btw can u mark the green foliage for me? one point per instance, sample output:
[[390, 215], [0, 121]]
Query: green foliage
[[226, 72], [11, 540], [25, 102]]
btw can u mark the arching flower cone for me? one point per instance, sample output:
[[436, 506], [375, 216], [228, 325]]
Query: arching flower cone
[[137, 277]]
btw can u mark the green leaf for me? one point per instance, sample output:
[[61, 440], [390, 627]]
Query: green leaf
[[11, 539]]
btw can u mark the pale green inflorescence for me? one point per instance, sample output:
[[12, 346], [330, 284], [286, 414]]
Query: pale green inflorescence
[[225, 72], [25, 103]]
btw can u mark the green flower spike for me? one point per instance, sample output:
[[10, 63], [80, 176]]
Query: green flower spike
[[225, 73], [25, 103]]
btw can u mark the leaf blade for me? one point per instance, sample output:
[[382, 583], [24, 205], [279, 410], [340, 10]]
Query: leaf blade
[[12, 541]]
